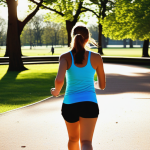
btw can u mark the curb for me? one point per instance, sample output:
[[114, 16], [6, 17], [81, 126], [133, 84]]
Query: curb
[[26, 105]]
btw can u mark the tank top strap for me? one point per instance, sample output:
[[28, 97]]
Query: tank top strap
[[89, 56], [72, 58]]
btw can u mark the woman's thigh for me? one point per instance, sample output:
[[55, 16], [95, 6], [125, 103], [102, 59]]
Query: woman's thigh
[[73, 130], [87, 126]]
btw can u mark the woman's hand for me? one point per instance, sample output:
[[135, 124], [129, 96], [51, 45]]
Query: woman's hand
[[55, 92], [96, 86]]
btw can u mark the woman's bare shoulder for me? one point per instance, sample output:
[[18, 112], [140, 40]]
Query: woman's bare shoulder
[[96, 56], [64, 55]]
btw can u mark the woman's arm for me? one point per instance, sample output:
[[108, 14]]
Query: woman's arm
[[100, 73], [59, 80]]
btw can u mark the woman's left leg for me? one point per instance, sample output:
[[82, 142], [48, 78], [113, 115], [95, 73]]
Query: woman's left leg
[[74, 135], [87, 126]]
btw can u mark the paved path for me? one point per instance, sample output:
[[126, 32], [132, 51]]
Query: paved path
[[123, 124]]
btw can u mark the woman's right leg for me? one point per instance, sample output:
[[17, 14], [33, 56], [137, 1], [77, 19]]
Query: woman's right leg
[[87, 126], [71, 117], [73, 133]]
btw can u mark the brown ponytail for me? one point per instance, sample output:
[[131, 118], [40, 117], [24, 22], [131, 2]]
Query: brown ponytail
[[78, 48], [80, 35]]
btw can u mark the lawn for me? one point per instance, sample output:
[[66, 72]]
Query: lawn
[[46, 51], [18, 89]]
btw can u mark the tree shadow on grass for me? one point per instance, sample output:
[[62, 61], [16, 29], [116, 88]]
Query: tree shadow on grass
[[25, 91]]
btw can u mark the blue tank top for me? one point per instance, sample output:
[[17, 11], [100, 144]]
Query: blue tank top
[[80, 83]]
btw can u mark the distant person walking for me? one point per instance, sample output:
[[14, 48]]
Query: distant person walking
[[52, 50], [80, 108]]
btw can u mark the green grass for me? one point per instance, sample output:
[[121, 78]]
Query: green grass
[[123, 52], [18, 89], [45, 51]]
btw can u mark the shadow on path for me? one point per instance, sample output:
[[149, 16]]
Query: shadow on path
[[116, 83]]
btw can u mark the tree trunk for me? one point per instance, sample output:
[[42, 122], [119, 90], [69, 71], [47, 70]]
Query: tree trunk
[[100, 50], [145, 48], [30, 39], [13, 38], [131, 43], [20, 24], [58, 39], [55, 38], [124, 43], [107, 40], [37, 39], [69, 26], [104, 43], [7, 49]]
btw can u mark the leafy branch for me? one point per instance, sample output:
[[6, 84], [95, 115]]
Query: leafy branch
[[43, 6]]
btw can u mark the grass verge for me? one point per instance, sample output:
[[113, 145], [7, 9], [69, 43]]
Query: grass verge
[[19, 89], [43, 51]]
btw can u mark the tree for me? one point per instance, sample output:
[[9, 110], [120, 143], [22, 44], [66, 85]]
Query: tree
[[63, 35], [54, 33], [47, 33], [27, 36], [2, 31], [37, 24], [100, 8], [129, 20], [131, 43], [50, 33], [15, 27], [67, 11], [94, 31]]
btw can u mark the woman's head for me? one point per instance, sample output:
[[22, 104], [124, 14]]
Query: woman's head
[[80, 36], [81, 29]]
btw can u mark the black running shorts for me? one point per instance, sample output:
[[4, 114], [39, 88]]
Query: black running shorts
[[72, 112]]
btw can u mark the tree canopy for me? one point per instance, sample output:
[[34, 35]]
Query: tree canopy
[[129, 19], [99, 8], [15, 27], [66, 11]]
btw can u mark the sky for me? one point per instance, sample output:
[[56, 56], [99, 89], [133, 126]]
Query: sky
[[23, 7]]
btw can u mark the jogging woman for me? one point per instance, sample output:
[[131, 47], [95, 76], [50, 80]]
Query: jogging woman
[[79, 109]]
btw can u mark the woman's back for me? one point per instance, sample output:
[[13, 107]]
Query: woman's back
[[80, 79]]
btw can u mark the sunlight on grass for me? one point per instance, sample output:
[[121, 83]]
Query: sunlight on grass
[[46, 51], [3, 70], [125, 52], [19, 89], [37, 71]]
